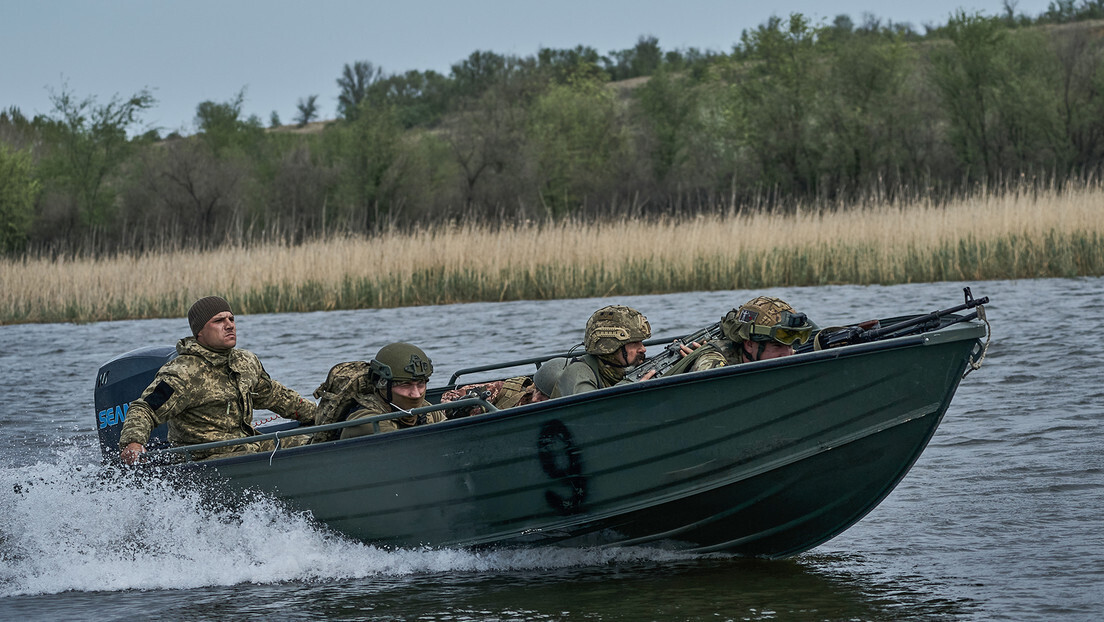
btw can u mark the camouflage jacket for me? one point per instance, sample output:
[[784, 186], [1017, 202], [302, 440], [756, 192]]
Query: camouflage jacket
[[716, 353], [208, 396], [587, 373]]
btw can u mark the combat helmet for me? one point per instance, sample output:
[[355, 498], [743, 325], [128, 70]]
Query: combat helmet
[[611, 327], [766, 319], [400, 362]]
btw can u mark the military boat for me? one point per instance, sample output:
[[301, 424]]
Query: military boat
[[768, 459]]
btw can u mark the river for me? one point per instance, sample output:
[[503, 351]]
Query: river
[[1000, 518]]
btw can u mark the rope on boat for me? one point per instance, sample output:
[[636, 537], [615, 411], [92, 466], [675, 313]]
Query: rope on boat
[[276, 446], [975, 364]]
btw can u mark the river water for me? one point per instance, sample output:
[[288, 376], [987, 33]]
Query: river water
[[1002, 517]]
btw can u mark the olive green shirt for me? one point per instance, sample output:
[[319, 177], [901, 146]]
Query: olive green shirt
[[587, 373]]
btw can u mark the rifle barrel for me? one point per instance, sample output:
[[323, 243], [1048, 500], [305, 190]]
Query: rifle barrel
[[878, 333]]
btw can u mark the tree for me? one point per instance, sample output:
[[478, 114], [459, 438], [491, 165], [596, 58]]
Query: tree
[[18, 190], [366, 154], [776, 102], [1000, 96], [485, 143], [564, 66], [188, 190], [870, 111], [1080, 57], [576, 132], [644, 59], [222, 127], [419, 98], [354, 83], [667, 105], [89, 144], [308, 110], [478, 72]]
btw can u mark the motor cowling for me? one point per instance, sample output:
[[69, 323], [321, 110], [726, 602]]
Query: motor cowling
[[120, 381]]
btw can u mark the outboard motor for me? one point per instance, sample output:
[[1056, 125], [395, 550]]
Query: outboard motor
[[120, 381]]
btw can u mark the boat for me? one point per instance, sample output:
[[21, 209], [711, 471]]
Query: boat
[[766, 459]]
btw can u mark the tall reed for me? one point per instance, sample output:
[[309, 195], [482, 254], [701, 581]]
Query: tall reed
[[1018, 234]]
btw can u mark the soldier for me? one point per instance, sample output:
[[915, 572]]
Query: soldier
[[613, 341], [762, 328], [397, 380], [207, 393]]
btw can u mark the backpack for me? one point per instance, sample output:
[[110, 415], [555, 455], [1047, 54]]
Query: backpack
[[337, 396]]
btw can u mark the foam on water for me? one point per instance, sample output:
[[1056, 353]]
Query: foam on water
[[71, 524]]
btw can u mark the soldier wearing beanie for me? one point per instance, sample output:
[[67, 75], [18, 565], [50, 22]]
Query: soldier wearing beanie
[[208, 392], [204, 309]]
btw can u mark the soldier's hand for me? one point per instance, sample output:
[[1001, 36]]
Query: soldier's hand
[[132, 453], [648, 376], [685, 350]]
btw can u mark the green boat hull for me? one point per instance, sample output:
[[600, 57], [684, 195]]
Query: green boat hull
[[766, 459]]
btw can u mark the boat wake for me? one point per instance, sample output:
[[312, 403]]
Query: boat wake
[[73, 524]]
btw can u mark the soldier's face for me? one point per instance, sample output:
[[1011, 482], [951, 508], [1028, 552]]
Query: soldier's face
[[773, 350], [634, 353], [219, 332], [408, 394]]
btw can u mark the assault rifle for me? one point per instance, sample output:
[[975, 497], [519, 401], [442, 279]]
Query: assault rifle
[[456, 413], [871, 331], [672, 353]]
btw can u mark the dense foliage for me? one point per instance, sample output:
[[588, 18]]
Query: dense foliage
[[795, 113]]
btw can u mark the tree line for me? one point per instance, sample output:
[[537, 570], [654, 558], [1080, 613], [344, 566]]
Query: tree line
[[797, 113]]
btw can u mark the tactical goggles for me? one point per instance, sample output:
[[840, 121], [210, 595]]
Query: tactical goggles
[[793, 327]]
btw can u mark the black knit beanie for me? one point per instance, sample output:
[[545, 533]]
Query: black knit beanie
[[203, 310]]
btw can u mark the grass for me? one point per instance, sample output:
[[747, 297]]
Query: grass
[[1025, 234]]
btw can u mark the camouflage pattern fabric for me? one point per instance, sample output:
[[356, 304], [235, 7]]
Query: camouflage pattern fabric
[[208, 396], [711, 354], [374, 404], [516, 391], [613, 326], [337, 395], [721, 352], [763, 311]]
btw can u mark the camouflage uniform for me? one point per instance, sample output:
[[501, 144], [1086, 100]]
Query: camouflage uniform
[[718, 353], [207, 395], [374, 404]]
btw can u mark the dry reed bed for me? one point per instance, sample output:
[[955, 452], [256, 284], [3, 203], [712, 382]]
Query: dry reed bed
[[1014, 235]]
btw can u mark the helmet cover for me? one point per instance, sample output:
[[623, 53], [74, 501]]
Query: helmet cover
[[613, 326], [767, 312]]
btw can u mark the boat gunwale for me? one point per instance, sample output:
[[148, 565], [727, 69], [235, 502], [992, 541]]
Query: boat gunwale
[[805, 358]]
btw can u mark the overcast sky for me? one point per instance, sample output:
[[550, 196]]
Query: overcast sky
[[189, 51]]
